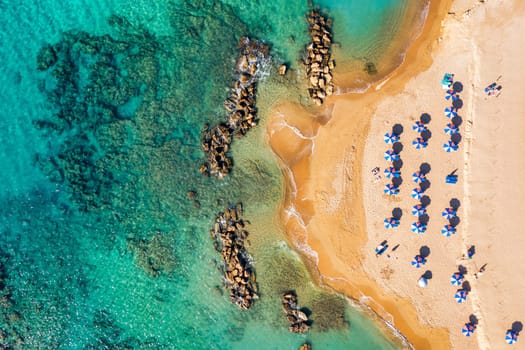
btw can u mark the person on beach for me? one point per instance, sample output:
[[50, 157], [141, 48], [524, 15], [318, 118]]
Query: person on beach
[[478, 274]]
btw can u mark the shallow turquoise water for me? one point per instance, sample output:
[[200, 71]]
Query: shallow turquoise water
[[100, 245]]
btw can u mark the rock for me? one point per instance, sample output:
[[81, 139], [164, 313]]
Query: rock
[[282, 69], [192, 195], [305, 346]]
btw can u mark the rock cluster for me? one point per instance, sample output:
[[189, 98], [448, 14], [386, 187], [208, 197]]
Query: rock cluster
[[305, 346], [240, 106], [298, 319], [239, 275], [317, 58]]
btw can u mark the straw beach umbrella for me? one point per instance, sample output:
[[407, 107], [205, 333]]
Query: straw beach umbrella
[[419, 143], [511, 337], [391, 222], [450, 112], [418, 261], [450, 146], [448, 230], [456, 279], [391, 138], [392, 172], [390, 155], [461, 296], [468, 329], [448, 213], [391, 190]]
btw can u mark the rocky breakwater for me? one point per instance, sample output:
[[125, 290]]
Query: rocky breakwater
[[230, 240], [299, 322], [317, 58], [240, 107]]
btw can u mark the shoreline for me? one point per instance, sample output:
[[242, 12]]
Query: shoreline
[[296, 162]]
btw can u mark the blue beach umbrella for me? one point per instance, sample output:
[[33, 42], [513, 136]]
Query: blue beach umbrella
[[450, 146], [419, 143], [418, 261], [448, 213], [391, 190], [419, 126], [448, 230], [460, 296], [456, 279], [511, 337], [451, 93], [392, 172], [418, 177], [450, 112], [418, 227], [417, 193], [391, 222], [390, 155], [391, 138], [468, 329], [451, 129], [418, 210]]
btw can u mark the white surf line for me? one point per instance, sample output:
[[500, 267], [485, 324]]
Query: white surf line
[[474, 77]]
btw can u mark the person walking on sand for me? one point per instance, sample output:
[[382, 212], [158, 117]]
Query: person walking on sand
[[478, 274]]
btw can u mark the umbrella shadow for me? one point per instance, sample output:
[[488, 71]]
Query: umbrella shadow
[[473, 320], [456, 138], [517, 327], [425, 185], [457, 86], [423, 219], [397, 181], [457, 120], [426, 134], [424, 168], [458, 103], [454, 221], [397, 164], [397, 147], [466, 286], [397, 213], [424, 251], [455, 203], [397, 129], [427, 275], [425, 118], [462, 270], [425, 201]]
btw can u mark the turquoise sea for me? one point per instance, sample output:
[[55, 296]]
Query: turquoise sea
[[102, 106]]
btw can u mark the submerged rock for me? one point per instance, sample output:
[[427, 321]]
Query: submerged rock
[[299, 322]]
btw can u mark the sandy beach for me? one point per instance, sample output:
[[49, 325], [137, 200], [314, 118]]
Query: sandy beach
[[335, 207]]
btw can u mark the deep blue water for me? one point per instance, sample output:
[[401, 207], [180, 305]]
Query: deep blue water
[[100, 246]]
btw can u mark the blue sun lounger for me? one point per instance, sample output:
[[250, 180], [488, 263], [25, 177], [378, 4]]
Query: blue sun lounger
[[451, 179]]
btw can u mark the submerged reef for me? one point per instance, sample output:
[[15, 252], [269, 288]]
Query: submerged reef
[[230, 239], [317, 58], [242, 112], [10, 318], [154, 255]]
